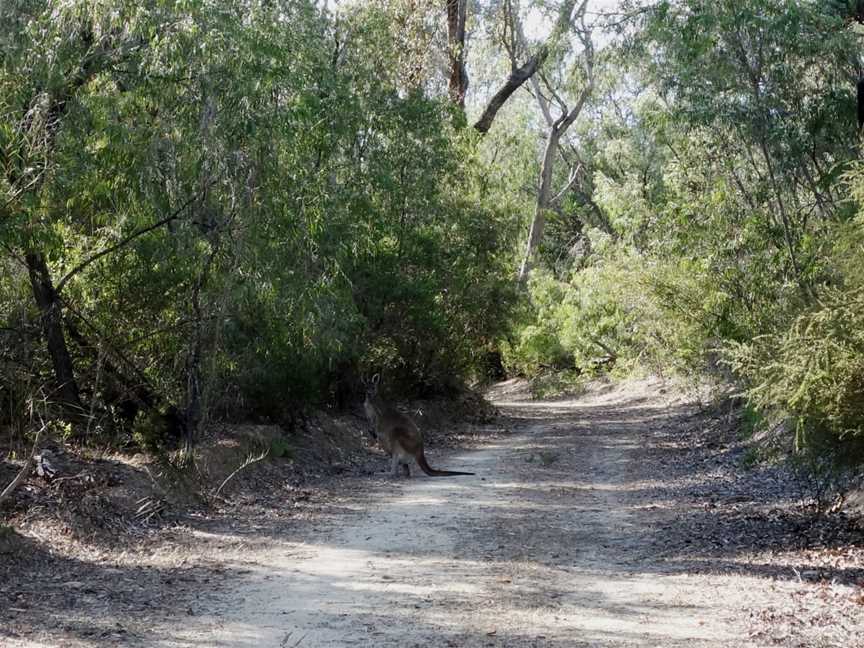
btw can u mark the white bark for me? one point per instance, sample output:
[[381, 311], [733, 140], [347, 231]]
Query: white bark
[[557, 128]]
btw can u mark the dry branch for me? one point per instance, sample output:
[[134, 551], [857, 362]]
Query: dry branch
[[517, 77], [25, 470], [248, 462]]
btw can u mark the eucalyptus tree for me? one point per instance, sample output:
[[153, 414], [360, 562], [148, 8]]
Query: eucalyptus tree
[[52, 56], [564, 88], [129, 140]]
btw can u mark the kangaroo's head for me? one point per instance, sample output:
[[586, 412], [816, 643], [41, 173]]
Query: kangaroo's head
[[372, 388]]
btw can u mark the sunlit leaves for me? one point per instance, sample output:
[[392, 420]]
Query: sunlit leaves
[[331, 208]]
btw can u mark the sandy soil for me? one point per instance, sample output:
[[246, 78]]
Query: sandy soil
[[571, 534]]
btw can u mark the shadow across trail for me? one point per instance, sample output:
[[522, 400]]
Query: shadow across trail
[[596, 524], [58, 600], [604, 520], [698, 503]]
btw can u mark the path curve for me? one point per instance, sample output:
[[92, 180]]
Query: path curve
[[546, 546]]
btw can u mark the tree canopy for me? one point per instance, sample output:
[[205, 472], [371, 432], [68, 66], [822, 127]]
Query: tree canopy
[[238, 209]]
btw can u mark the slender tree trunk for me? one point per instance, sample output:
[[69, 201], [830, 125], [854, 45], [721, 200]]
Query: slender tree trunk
[[456, 13], [784, 216], [196, 406], [194, 410], [557, 127], [51, 314], [517, 77], [458, 86], [544, 195]]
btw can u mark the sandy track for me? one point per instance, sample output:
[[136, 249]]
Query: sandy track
[[546, 546]]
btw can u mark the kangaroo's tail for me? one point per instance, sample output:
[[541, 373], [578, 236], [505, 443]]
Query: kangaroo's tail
[[429, 470]]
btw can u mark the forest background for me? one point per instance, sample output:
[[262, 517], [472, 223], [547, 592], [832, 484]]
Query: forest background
[[236, 210]]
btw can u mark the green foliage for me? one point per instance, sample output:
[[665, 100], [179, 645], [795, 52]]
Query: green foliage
[[751, 422], [328, 221], [280, 449], [813, 372], [714, 231], [623, 310], [244, 207], [155, 431], [803, 372], [553, 384]]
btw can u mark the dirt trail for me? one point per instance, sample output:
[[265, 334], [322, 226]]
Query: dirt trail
[[553, 543]]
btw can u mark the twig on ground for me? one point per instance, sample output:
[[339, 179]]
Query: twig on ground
[[248, 462], [25, 469]]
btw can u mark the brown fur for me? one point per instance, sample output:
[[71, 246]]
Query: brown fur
[[398, 435]]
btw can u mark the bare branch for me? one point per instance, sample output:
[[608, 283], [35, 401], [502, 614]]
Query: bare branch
[[250, 459], [513, 40], [517, 77], [557, 128], [125, 241], [571, 182], [25, 469]]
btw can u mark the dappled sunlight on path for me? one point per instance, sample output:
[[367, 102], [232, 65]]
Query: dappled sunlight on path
[[546, 545]]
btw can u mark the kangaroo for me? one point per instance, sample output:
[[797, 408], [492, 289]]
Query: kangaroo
[[398, 435]]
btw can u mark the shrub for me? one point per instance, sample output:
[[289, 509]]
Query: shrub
[[812, 373], [624, 309]]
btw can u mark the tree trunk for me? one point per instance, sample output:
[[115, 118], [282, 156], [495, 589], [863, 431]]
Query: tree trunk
[[52, 326], [517, 77], [557, 128], [544, 195], [456, 11]]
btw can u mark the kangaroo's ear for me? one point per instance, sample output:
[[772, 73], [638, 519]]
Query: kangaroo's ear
[[376, 379], [363, 381]]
